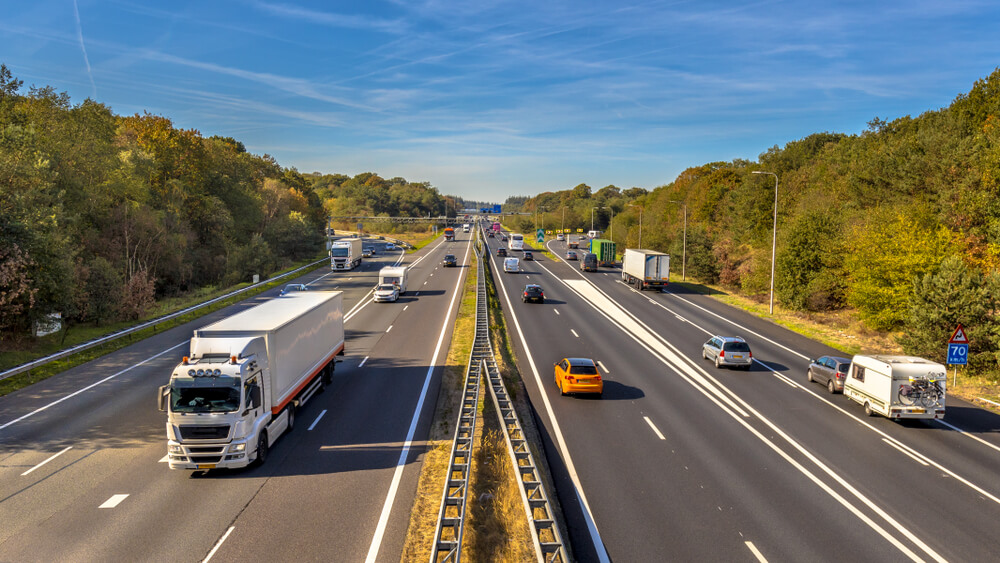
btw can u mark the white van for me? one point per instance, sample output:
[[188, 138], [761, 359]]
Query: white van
[[466, 227], [593, 234], [393, 275], [897, 386], [511, 265]]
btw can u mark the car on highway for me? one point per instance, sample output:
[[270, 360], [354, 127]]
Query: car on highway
[[490, 234], [578, 375], [449, 261], [511, 265], [528, 255], [589, 262], [533, 292], [728, 351], [572, 244], [560, 236], [366, 253], [571, 255], [830, 371], [501, 251], [386, 292], [289, 288], [390, 246], [503, 237]]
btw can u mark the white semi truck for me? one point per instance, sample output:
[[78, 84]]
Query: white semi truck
[[345, 254], [238, 389], [645, 268]]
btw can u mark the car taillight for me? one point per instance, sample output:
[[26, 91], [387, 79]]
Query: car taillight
[[722, 353], [597, 377], [750, 355], [571, 378]]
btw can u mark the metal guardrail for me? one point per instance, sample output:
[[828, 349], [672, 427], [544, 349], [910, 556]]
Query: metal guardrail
[[116, 335]]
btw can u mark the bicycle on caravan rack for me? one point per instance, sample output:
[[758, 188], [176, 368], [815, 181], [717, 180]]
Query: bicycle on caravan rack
[[924, 392]]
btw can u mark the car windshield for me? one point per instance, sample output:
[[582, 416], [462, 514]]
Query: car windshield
[[736, 347], [583, 370], [205, 394], [449, 256]]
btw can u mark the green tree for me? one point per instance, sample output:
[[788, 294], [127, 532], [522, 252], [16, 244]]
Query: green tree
[[809, 252]]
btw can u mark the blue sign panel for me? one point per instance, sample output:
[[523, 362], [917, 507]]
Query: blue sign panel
[[496, 209], [958, 354]]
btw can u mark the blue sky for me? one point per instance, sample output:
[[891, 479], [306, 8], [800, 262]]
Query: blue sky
[[487, 99]]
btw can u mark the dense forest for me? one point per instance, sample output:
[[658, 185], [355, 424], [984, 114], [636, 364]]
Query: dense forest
[[102, 214], [900, 223]]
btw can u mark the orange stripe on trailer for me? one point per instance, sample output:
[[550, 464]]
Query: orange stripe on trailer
[[277, 409]]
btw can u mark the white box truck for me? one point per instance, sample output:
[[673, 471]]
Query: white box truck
[[345, 254], [897, 386], [238, 389], [393, 275], [645, 268]]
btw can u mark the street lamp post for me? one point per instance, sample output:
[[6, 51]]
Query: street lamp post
[[640, 223], [684, 250], [774, 236]]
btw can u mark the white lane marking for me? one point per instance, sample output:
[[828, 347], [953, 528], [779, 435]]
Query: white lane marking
[[425, 283], [968, 434], [164, 459], [557, 311], [653, 426], [910, 455], [114, 501], [218, 544], [406, 307], [783, 378], [388, 329], [574, 333], [401, 463], [363, 361], [50, 458], [602, 366], [313, 425], [92, 385], [588, 516], [349, 279], [756, 553]]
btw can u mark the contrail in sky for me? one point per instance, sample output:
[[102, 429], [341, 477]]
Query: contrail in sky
[[86, 61]]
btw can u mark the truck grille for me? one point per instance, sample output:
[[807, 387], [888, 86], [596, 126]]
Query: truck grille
[[204, 432], [205, 458]]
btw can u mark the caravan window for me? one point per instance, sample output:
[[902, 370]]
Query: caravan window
[[859, 373]]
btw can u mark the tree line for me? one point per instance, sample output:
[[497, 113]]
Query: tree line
[[900, 223]]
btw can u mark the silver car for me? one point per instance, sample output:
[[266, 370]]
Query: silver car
[[728, 351], [830, 371]]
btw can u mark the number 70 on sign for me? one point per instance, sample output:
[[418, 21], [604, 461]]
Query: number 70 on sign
[[958, 354]]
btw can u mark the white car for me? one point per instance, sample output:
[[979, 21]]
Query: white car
[[390, 246], [386, 292], [560, 236], [511, 265]]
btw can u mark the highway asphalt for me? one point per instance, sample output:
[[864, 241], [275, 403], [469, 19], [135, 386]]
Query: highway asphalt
[[683, 461], [82, 455]]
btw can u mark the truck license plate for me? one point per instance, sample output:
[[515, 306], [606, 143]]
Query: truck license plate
[[206, 466], [917, 411]]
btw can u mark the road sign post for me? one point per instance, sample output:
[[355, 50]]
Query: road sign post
[[958, 350]]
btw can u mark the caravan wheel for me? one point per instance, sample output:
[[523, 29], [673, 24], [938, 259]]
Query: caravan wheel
[[868, 409]]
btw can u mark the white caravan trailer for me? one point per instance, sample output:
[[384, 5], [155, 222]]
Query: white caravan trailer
[[897, 386]]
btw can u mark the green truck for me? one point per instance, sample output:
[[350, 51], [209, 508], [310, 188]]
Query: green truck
[[605, 251]]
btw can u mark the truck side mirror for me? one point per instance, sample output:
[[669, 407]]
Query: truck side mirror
[[161, 399]]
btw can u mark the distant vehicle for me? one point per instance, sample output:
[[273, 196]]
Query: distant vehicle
[[294, 287], [449, 234], [533, 292], [528, 255], [578, 375], [496, 227], [593, 234], [589, 262], [503, 237], [449, 261], [560, 236], [366, 253], [516, 241], [386, 292], [501, 251], [395, 275], [571, 255], [511, 265], [491, 234], [645, 268], [237, 390], [573, 244], [605, 251], [582, 237], [728, 351], [830, 371], [466, 227], [390, 246], [345, 254], [897, 386]]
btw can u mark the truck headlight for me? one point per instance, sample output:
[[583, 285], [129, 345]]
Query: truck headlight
[[242, 446], [174, 449]]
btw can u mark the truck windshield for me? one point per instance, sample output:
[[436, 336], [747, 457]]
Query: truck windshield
[[340, 251], [205, 394]]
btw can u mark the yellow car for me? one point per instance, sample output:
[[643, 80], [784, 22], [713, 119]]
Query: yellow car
[[578, 375]]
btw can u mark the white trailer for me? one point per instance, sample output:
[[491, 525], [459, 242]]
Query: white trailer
[[645, 268], [393, 275], [345, 254], [238, 389], [897, 386]]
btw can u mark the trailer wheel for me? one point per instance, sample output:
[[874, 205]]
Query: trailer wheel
[[261, 449], [328, 374], [868, 409], [291, 416]]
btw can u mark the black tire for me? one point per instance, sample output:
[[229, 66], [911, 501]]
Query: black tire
[[831, 387], [559, 385], [328, 374], [262, 449], [809, 375], [868, 409], [291, 416], [717, 364]]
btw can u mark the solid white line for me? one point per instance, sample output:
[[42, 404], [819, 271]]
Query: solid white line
[[401, 463], [363, 361], [218, 544], [574, 333], [756, 553], [53, 456], [602, 366], [557, 311], [313, 425], [406, 307], [653, 426], [783, 378], [901, 450], [968, 434], [388, 329], [114, 501]]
